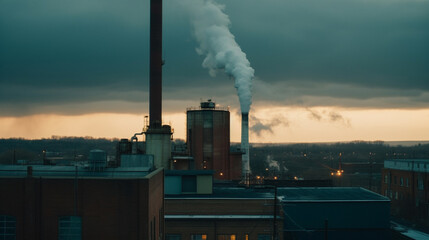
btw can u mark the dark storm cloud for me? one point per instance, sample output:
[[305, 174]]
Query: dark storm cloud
[[71, 56]]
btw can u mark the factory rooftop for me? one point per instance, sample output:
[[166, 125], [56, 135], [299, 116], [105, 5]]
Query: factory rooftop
[[72, 171], [328, 194], [229, 193]]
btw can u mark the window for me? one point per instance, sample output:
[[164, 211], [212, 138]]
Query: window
[[420, 183], [401, 181], [396, 195], [199, 237], [189, 184], [394, 180], [406, 182], [385, 192], [226, 237], [7, 227], [70, 228], [386, 179], [264, 237], [173, 237]]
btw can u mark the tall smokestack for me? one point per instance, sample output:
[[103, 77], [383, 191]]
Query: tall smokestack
[[245, 147], [155, 75]]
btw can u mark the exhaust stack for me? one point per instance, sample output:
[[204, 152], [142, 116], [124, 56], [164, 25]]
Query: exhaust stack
[[155, 75], [245, 171]]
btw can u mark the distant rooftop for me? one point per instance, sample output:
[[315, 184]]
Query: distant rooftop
[[328, 194], [415, 165], [188, 172], [230, 193], [70, 171]]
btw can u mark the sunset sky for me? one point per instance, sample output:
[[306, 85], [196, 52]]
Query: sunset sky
[[330, 70]]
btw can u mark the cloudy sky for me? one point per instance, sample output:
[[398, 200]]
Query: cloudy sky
[[329, 70]]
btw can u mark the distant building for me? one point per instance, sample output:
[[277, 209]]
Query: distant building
[[334, 213], [67, 202], [406, 183]]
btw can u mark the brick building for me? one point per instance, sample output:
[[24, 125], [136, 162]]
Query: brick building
[[67, 202], [208, 141], [197, 210], [406, 183]]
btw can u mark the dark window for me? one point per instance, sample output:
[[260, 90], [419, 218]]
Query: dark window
[[7, 227], [198, 237], [173, 237], [264, 237], [189, 184], [394, 180], [70, 228]]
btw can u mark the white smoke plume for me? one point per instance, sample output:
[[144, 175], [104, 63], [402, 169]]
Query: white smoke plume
[[272, 164], [218, 45]]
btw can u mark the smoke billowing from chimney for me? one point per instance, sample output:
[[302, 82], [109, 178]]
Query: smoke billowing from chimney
[[218, 45]]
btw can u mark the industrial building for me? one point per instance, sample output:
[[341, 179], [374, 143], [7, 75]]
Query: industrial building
[[197, 209], [334, 213], [406, 183], [67, 202], [208, 143]]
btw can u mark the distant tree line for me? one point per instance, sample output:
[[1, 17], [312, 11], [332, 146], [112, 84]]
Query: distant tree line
[[286, 160]]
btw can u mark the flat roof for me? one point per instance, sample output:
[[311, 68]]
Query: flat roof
[[218, 216], [70, 171], [328, 194], [229, 193], [188, 172]]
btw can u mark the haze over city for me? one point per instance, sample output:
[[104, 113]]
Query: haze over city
[[331, 71]]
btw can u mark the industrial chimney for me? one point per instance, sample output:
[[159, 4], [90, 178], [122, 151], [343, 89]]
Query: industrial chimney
[[245, 172], [158, 136]]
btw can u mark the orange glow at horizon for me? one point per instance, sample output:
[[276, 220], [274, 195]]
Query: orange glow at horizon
[[288, 124]]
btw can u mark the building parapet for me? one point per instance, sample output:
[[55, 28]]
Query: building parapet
[[414, 165]]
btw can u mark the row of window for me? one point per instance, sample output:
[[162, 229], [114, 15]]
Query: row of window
[[401, 181], [218, 237], [396, 195], [420, 184], [69, 227]]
